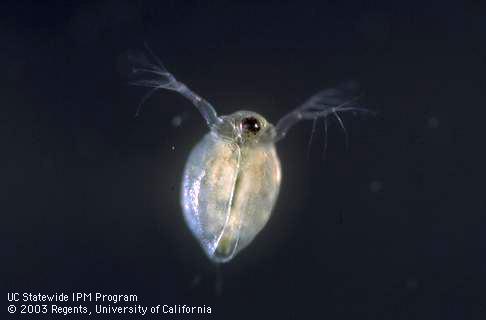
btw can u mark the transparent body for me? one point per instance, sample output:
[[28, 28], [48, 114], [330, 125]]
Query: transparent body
[[232, 177], [228, 193]]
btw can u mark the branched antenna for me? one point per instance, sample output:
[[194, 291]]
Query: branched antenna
[[161, 78]]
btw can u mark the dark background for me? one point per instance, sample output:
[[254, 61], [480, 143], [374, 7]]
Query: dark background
[[391, 228]]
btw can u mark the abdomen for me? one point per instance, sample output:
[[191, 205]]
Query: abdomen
[[228, 194]]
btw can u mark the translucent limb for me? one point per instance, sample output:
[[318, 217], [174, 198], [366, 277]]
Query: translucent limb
[[314, 123], [325, 138], [321, 105], [163, 79]]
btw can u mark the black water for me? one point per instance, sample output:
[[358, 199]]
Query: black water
[[393, 227]]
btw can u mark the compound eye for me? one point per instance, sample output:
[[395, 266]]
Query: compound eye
[[251, 124]]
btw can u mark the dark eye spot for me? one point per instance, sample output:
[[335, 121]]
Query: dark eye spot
[[251, 124]]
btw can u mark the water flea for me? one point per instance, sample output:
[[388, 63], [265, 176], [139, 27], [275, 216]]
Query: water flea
[[232, 176]]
